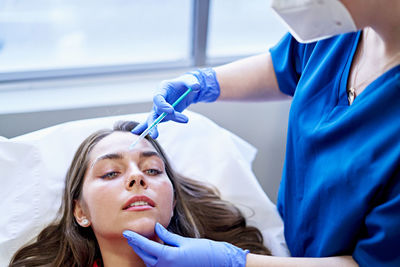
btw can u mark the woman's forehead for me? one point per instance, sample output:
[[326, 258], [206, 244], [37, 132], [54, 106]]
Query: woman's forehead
[[119, 142]]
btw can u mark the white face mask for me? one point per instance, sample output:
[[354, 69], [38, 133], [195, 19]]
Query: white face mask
[[313, 20]]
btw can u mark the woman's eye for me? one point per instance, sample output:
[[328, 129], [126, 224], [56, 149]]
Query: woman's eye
[[152, 172], [109, 175]]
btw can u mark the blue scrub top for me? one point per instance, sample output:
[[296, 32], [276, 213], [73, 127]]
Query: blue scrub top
[[340, 190]]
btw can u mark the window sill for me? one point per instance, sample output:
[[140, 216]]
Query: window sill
[[84, 92]]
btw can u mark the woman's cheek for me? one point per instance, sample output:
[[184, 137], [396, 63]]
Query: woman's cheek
[[168, 200], [100, 199]]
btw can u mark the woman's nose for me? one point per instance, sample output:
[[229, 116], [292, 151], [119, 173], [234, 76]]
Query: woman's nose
[[136, 180]]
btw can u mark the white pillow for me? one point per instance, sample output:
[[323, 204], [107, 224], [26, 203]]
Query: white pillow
[[33, 168]]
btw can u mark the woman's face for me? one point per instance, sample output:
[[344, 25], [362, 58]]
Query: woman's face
[[125, 189]]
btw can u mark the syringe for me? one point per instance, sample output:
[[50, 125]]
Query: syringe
[[158, 120]]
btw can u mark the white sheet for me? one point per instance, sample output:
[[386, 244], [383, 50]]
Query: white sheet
[[33, 167]]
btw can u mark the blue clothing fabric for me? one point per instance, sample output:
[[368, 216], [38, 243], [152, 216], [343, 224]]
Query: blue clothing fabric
[[340, 189]]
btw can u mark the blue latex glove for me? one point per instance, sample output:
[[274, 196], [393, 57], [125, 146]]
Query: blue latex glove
[[205, 88], [184, 251]]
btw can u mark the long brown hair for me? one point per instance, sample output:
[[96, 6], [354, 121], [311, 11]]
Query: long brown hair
[[199, 212]]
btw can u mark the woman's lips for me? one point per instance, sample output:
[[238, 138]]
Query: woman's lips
[[139, 203], [139, 208]]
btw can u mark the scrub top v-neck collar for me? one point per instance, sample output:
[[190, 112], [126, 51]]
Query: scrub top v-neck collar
[[343, 100]]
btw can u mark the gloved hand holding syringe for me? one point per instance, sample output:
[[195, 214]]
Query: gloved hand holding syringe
[[195, 86], [159, 119]]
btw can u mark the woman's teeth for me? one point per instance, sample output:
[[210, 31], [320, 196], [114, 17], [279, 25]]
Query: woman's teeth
[[139, 203]]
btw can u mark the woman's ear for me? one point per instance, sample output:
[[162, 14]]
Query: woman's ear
[[80, 215]]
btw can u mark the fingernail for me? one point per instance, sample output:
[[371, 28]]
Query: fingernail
[[126, 234], [159, 225], [153, 134]]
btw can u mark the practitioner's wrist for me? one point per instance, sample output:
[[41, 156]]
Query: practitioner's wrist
[[209, 86]]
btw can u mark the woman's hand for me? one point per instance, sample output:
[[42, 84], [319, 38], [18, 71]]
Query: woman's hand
[[181, 251]]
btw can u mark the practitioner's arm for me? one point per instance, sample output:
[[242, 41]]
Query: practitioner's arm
[[254, 260], [251, 78], [182, 251]]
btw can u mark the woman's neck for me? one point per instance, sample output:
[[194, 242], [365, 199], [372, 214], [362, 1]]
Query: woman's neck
[[382, 16], [384, 20], [117, 252]]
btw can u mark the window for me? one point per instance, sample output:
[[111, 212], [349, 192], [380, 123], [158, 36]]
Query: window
[[45, 38], [57, 34], [242, 27]]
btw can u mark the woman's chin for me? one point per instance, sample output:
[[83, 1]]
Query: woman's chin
[[144, 229]]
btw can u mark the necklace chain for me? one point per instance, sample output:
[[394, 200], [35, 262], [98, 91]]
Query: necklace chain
[[352, 90]]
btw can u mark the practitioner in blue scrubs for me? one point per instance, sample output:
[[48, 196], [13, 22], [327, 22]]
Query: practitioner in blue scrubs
[[340, 192]]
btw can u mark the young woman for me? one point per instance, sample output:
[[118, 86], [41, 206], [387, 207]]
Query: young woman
[[110, 189]]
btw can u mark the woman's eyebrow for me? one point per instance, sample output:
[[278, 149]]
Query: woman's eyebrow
[[107, 156], [147, 154], [144, 154]]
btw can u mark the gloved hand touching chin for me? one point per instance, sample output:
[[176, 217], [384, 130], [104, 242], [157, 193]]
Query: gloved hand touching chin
[[205, 88], [183, 251]]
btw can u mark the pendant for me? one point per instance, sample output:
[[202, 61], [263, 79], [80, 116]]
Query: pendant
[[351, 94]]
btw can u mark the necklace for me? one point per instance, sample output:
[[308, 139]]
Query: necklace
[[352, 90]]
